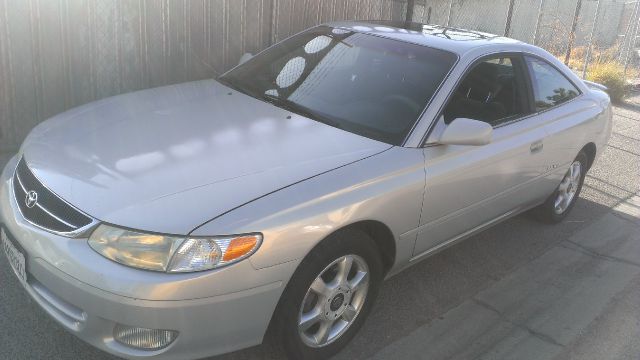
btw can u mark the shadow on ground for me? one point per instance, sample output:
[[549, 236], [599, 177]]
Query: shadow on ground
[[428, 290]]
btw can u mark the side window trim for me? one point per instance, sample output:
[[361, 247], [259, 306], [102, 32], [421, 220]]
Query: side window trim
[[529, 89], [524, 83], [528, 84], [519, 55], [530, 100], [521, 70]]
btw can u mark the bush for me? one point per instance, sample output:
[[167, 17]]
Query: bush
[[611, 75], [576, 61]]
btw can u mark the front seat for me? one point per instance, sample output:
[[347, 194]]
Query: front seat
[[475, 96]]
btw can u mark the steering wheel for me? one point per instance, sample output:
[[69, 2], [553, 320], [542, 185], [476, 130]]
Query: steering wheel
[[404, 101]]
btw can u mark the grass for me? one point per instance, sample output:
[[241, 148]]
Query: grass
[[611, 75], [604, 68]]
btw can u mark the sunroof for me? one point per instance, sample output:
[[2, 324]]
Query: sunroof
[[436, 30]]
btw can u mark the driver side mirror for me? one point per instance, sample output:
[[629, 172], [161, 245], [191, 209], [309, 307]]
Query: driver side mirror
[[463, 131]]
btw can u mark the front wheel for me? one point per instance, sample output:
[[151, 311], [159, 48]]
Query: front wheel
[[329, 296], [560, 203]]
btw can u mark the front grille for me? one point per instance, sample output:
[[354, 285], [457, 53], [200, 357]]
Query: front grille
[[48, 212]]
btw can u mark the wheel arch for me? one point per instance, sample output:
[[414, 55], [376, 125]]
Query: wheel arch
[[377, 231], [383, 238]]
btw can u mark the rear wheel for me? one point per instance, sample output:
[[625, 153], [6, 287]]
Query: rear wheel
[[560, 203], [329, 296]]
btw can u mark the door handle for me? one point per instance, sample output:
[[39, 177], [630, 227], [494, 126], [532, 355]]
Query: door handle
[[536, 146]]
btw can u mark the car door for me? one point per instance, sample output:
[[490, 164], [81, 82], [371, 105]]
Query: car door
[[467, 186], [566, 115]]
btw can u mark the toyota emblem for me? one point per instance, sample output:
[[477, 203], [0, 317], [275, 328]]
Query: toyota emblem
[[32, 199]]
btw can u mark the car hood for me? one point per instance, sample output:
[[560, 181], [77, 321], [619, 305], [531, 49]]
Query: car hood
[[169, 159]]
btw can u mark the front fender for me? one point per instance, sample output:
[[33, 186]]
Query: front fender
[[387, 187]]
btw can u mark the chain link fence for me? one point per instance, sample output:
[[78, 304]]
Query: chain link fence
[[582, 33], [57, 54]]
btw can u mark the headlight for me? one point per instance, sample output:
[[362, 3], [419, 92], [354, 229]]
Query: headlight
[[171, 254]]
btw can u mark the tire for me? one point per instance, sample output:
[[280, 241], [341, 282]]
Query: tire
[[364, 255], [549, 211]]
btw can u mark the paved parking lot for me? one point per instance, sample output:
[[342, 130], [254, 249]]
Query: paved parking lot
[[522, 290]]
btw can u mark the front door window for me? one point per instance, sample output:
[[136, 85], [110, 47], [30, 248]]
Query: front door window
[[492, 91]]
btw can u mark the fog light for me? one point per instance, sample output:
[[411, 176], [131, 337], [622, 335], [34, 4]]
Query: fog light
[[143, 339]]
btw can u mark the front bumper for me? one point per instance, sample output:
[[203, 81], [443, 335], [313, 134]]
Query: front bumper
[[214, 312]]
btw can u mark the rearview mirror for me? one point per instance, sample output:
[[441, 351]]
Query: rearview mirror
[[244, 58], [463, 131]]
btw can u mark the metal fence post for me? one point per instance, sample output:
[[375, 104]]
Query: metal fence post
[[572, 35], [410, 6], [634, 37], [538, 20], [627, 31], [449, 13], [589, 47], [507, 26], [273, 23]]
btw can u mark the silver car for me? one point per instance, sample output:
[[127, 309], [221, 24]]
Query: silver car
[[194, 219]]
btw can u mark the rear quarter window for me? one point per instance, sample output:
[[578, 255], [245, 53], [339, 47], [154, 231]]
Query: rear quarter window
[[550, 86]]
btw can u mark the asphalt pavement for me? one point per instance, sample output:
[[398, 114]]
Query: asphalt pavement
[[521, 290]]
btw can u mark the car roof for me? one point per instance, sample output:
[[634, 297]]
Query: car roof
[[452, 39]]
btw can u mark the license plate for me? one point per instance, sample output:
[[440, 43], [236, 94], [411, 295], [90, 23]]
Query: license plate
[[16, 258]]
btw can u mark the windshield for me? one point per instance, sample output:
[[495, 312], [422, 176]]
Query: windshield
[[365, 84]]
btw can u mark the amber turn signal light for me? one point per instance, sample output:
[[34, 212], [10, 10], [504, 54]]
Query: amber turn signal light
[[239, 247]]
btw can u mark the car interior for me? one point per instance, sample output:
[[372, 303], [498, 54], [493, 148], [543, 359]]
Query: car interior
[[378, 89], [491, 92], [383, 93]]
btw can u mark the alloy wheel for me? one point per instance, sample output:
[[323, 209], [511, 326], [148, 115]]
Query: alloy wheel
[[568, 188], [333, 301]]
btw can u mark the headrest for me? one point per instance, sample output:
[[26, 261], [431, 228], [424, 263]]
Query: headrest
[[483, 78]]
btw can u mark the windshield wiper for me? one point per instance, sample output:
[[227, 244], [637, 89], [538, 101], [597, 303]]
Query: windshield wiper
[[300, 110], [284, 104]]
